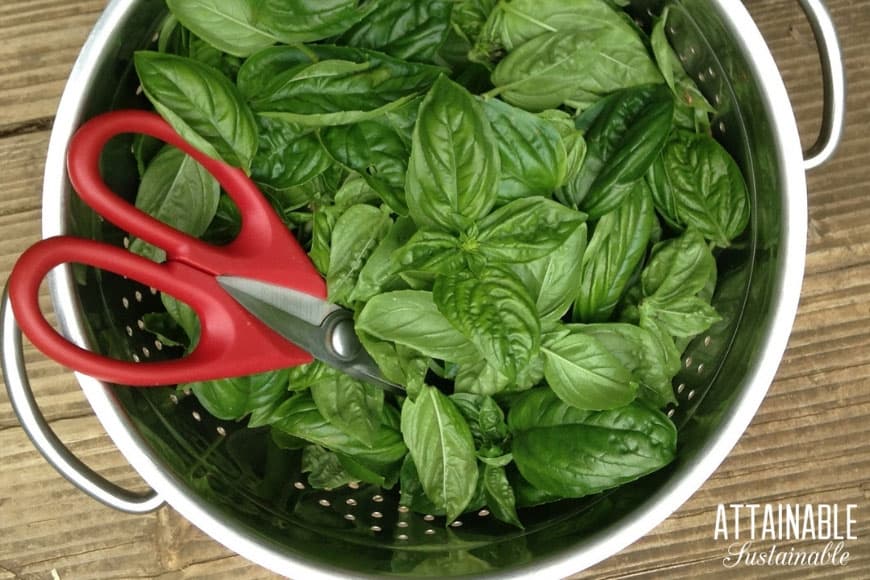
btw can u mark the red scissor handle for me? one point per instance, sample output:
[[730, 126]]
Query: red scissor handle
[[264, 249], [232, 341]]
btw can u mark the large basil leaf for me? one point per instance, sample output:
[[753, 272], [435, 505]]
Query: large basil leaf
[[235, 398], [493, 310], [410, 317], [527, 229], [572, 453], [299, 417], [355, 236], [377, 149], [230, 25], [440, 442], [573, 67], [298, 21], [352, 406], [552, 281], [379, 272], [179, 192], [407, 29], [500, 495], [533, 155], [288, 154], [624, 139], [512, 23], [454, 167], [584, 374], [679, 267], [684, 317], [615, 250], [641, 352], [708, 189], [201, 104]]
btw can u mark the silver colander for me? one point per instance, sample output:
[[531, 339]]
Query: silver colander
[[221, 477]]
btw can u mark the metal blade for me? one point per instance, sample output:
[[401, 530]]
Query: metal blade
[[322, 329]]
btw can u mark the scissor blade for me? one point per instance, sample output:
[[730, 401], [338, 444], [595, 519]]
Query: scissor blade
[[310, 323]]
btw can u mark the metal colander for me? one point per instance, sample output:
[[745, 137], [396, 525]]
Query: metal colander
[[231, 482]]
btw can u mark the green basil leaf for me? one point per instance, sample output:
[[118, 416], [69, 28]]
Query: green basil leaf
[[527, 229], [287, 154], [179, 192], [229, 25], [299, 417], [440, 442], [412, 493], [453, 171], [607, 449], [500, 495], [584, 374], [201, 104], [427, 251], [469, 18], [164, 328], [493, 310], [663, 197], [299, 21], [324, 220], [541, 407], [378, 275], [406, 29], [623, 141], [377, 149], [351, 405], [684, 317], [616, 249], [357, 233], [533, 155], [708, 189], [324, 469], [573, 67], [552, 280], [677, 268], [185, 316], [235, 398], [642, 353], [511, 24], [410, 317]]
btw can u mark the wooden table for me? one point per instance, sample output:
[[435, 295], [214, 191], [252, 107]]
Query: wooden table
[[810, 442]]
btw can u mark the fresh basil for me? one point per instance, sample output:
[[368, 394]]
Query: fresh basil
[[352, 406], [229, 25], [232, 399], [355, 236], [287, 155]]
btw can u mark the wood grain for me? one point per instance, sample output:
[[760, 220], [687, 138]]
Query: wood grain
[[810, 441]]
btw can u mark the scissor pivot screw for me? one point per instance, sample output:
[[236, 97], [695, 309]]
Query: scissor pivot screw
[[342, 338]]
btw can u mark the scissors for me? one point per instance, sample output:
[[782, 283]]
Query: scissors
[[261, 302]]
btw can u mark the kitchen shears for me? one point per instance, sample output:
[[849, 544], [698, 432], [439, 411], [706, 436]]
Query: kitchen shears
[[260, 300]]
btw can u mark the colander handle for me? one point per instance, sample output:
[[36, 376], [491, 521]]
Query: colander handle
[[834, 84], [44, 439]]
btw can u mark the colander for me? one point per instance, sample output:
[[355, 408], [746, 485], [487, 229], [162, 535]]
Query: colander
[[229, 482]]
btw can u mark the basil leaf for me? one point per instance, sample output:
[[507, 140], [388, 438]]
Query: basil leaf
[[324, 220], [469, 17], [287, 154], [299, 417], [585, 375], [453, 171], [573, 67], [708, 189], [527, 229], [378, 275], [299, 21], [616, 249], [603, 450], [500, 495], [552, 281], [623, 141], [356, 235], [533, 155], [235, 398], [229, 25], [201, 104], [410, 317], [185, 316], [510, 24], [679, 267], [348, 86], [440, 442], [352, 406], [179, 192], [493, 310], [407, 29], [642, 353], [377, 149], [324, 468], [684, 317], [431, 252]]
